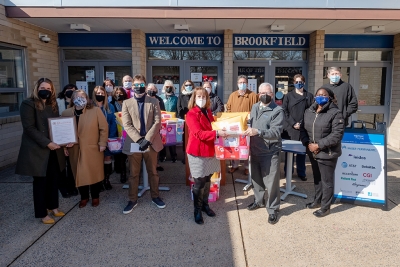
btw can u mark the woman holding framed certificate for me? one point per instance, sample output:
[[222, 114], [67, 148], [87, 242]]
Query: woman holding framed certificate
[[99, 100], [87, 156], [38, 154]]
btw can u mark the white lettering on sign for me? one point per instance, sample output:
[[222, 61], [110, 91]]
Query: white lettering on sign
[[185, 40], [269, 41]]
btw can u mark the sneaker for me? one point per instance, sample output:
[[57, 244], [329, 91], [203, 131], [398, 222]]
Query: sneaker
[[159, 203], [128, 209]]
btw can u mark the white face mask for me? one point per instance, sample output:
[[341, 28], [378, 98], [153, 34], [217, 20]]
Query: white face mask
[[109, 89], [201, 102], [208, 90], [127, 85]]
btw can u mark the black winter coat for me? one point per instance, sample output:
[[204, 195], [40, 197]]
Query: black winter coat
[[346, 98], [324, 128], [216, 104], [294, 106], [183, 101]]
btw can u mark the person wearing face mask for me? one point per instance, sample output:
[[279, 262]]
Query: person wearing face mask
[[321, 133], [170, 102], [141, 117], [119, 95], [127, 85], [200, 150], [294, 104], [67, 183], [344, 93], [87, 156], [109, 85], [183, 102], [99, 100], [241, 100], [216, 102], [38, 155], [266, 124]]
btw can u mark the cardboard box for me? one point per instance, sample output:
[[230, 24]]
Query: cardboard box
[[232, 148], [172, 131]]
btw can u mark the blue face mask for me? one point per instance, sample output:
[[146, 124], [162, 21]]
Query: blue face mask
[[242, 86], [321, 100], [335, 78], [188, 88], [299, 85]]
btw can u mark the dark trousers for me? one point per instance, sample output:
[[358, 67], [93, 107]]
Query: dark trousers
[[45, 189], [93, 188], [67, 181], [163, 153], [201, 190], [324, 175], [300, 164]]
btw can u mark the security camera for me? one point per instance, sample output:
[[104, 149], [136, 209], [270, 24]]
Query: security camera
[[44, 38]]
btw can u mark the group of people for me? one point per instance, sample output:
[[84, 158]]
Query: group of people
[[318, 121]]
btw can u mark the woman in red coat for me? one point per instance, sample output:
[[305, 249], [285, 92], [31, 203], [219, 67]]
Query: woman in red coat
[[200, 150]]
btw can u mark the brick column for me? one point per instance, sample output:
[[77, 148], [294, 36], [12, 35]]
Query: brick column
[[316, 60], [228, 64], [138, 52], [394, 122]]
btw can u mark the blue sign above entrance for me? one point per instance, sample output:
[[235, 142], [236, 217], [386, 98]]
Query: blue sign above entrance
[[270, 40], [184, 40]]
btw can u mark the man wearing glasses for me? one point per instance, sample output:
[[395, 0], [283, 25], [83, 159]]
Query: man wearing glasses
[[266, 124], [141, 117]]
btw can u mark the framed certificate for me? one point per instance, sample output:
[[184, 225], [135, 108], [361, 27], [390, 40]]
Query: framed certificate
[[63, 130]]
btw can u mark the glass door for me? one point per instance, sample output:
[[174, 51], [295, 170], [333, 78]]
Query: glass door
[[160, 73], [200, 72], [255, 72], [83, 74], [115, 71]]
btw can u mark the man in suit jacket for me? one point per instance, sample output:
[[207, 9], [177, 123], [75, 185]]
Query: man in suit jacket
[[141, 118]]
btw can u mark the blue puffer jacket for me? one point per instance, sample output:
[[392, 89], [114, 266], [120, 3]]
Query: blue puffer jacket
[[170, 102], [111, 120]]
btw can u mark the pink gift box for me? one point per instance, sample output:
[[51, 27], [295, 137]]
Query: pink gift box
[[232, 148]]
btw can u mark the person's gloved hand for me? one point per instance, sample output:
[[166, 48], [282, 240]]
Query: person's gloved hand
[[144, 144]]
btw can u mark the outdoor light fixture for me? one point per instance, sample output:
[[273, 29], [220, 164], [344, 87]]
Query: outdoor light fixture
[[181, 27], [80, 27], [276, 28], [374, 29]]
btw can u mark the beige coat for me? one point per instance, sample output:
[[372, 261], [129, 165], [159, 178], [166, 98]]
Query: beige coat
[[131, 122], [86, 159], [238, 103]]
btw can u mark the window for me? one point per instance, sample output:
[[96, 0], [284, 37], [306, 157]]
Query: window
[[12, 80], [269, 55], [185, 55], [351, 55]]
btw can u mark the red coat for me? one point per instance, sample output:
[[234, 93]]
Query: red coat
[[201, 136]]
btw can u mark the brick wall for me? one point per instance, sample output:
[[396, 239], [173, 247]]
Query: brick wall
[[228, 65], [316, 60], [394, 125], [41, 61], [138, 52]]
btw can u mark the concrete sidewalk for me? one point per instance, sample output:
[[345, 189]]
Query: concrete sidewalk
[[103, 236]]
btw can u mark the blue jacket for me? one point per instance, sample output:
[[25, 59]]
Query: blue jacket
[[171, 103], [112, 122]]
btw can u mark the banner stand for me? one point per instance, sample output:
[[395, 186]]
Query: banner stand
[[361, 171]]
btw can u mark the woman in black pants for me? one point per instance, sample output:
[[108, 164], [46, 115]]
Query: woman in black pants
[[38, 154], [321, 133]]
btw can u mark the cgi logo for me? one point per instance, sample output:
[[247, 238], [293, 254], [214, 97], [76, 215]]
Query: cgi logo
[[368, 175], [357, 157], [367, 167]]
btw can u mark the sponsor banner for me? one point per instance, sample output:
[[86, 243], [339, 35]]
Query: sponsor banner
[[270, 40], [360, 173], [184, 40]]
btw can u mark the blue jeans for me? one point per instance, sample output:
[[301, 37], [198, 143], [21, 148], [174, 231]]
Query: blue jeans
[[300, 163]]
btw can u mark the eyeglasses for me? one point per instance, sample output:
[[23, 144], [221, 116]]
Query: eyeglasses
[[297, 82], [139, 84]]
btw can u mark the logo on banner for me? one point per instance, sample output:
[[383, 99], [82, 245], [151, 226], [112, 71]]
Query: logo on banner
[[371, 194], [348, 179], [345, 165], [346, 191], [367, 167], [348, 147], [371, 182], [359, 137], [349, 173], [369, 175], [357, 157], [358, 185], [360, 192]]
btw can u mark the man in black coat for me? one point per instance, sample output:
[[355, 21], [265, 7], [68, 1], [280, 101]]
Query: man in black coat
[[344, 93]]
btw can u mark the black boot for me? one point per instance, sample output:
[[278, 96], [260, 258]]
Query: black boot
[[107, 173], [198, 203], [206, 208], [122, 165], [117, 165]]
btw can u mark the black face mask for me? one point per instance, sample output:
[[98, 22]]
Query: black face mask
[[119, 97], [168, 90], [139, 90], [265, 99], [69, 93], [44, 94], [151, 93], [100, 98]]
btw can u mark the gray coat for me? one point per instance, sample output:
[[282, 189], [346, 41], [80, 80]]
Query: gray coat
[[269, 121], [34, 154]]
